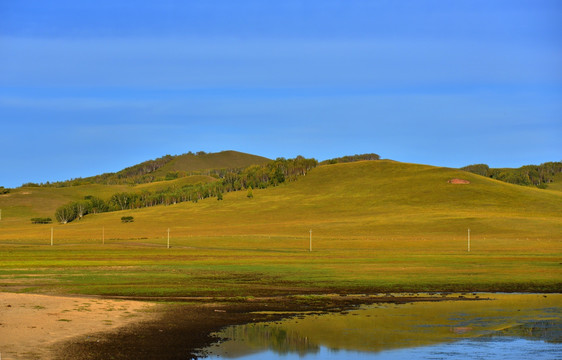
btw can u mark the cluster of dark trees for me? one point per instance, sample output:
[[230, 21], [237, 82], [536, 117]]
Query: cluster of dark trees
[[3, 190], [253, 177], [351, 158], [271, 174], [40, 220], [32, 184], [528, 175]]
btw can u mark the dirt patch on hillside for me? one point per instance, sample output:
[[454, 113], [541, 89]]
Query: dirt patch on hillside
[[458, 181], [30, 325]]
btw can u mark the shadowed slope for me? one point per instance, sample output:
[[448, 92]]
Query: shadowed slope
[[221, 160]]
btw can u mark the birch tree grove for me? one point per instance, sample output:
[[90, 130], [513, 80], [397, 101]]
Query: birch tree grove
[[273, 173], [65, 213]]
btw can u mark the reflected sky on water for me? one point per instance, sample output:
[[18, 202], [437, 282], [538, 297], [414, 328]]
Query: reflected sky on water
[[472, 349], [520, 326]]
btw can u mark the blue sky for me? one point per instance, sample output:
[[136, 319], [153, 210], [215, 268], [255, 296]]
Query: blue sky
[[88, 87]]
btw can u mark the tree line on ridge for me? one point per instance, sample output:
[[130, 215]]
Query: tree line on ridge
[[253, 177], [528, 175]]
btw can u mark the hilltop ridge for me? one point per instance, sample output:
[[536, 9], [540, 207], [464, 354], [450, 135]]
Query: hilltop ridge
[[201, 161], [168, 167]]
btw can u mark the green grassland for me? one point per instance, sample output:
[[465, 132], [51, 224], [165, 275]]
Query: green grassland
[[377, 226], [23, 203]]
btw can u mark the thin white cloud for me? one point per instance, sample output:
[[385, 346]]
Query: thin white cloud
[[223, 62]]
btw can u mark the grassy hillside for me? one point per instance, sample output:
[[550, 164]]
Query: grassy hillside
[[363, 199], [366, 200], [23, 203], [200, 162], [376, 226]]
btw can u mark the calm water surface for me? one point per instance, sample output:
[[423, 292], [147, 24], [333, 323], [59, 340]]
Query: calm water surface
[[507, 327]]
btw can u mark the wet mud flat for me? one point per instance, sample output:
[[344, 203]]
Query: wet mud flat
[[182, 328]]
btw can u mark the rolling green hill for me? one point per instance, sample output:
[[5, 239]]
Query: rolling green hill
[[27, 202], [379, 198], [367, 198], [376, 226]]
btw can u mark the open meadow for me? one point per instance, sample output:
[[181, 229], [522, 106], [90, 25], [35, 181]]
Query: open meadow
[[377, 226]]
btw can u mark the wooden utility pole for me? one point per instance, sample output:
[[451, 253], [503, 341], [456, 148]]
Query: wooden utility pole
[[468, 240], [168, 238], [51, 236], [310, 241]]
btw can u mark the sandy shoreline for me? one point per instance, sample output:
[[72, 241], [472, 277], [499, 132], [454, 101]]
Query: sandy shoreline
[[64, 327], [31, 324]]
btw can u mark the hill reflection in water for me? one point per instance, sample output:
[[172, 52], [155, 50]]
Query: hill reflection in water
[[515, 326]]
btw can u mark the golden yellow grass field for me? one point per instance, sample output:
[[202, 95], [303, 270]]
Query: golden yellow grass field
[[376, 226]]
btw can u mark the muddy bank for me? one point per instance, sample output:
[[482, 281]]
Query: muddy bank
[[183, 328]]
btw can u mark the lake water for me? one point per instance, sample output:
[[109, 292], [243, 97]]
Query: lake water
[[522, 326]]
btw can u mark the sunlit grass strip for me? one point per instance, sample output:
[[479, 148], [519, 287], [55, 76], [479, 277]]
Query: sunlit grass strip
[[119, 269]]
